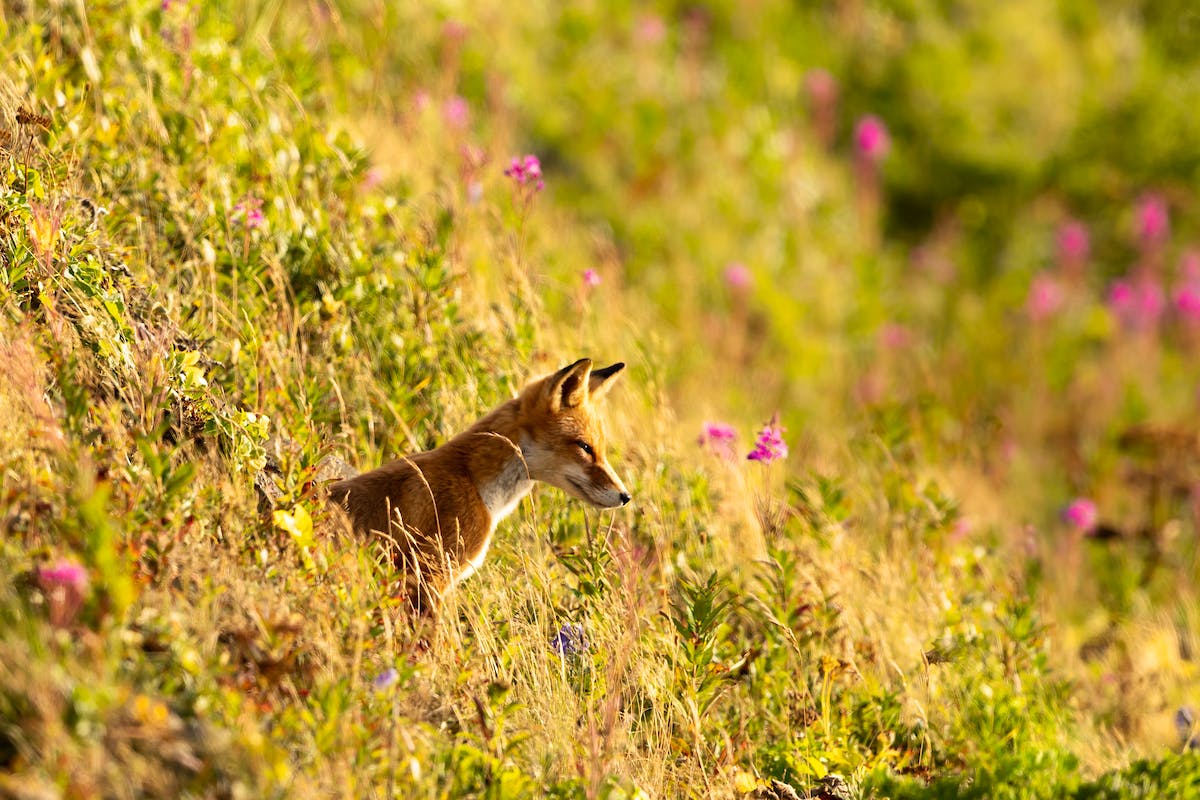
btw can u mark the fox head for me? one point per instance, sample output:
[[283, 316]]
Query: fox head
[[563, 436]]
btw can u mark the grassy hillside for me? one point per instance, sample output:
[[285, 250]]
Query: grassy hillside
[[954, 246]]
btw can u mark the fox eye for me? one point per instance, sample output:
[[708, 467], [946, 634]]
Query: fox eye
[[585, 447]]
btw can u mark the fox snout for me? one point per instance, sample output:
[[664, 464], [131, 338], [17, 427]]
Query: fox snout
[[612, 497], [599, 487]]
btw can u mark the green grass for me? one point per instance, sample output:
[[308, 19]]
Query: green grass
[[899, 603]]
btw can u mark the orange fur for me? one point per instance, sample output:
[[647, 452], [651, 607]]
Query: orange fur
[[441, 507]]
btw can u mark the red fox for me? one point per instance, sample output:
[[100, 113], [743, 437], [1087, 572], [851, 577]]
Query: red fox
[[440, 507]]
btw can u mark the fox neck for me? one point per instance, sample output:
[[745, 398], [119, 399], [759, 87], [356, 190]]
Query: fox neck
[[496, 449], [502, 492]]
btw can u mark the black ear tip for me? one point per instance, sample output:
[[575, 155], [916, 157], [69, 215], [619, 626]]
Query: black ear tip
[[611, 369]]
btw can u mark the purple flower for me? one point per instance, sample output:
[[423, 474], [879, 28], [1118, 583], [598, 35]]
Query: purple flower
[[871, 138], [456, 112], [526, 171], [65, 586], [1185, 725], [1080, 514], [769, 445], [1153, 219], [738, 277], [248, 212], [385, 679], [570, 640], [1045, 297], [591, 278], [1074, 243], [719, 438]]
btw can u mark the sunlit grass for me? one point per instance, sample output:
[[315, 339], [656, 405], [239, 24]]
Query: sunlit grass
[[236, 244]]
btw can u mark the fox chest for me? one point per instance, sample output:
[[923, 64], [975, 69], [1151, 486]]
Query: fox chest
[[500, 495]]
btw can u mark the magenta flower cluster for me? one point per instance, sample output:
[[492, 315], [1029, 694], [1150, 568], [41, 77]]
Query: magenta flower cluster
[[1187, 294], [1154, 221], [1081, 514], [248, 212], [738, 277], [1140, 301], [1138, 304], [526, 172], [871, 138], [1074, 244], [65, 587], [456, 112], [769, 445], [591, 278], [719, 438], [1045, 297]]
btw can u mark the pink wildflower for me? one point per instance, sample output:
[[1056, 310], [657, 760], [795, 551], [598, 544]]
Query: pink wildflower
[[738, 277], [248, 212], [1045, 298], [1187, 304], [421, 100], [895, 336], [65, 586], [454, 31], [769, 445], [1074, 244], [651, 29], [822, 89], [871, 138], [821, 86], [719, 438], [1153, 218], [962, 529], [591, 278], [371, 179], [526, 171], [1139, 305], [1081, 514], [1189, 267], [456, 112]]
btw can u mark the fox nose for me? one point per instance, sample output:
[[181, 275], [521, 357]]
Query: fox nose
[[625, 498]]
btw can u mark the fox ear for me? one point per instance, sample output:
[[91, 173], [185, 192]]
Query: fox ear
[[602, 380], [567, 388]]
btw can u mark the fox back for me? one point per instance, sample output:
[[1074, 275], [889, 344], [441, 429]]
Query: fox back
[[439, 509]]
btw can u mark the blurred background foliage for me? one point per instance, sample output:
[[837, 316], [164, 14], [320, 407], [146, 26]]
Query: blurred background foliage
[[953, 244]]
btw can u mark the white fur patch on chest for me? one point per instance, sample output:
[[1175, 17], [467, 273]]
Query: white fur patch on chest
[[502, 493]]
